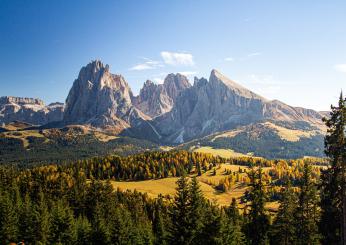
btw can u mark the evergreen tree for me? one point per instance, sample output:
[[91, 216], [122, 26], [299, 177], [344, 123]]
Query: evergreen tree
[[307, 213], [195, 204], [62, 224], [83, 231], [100, 234], [283, 229], [26, 221], [333, 191], [42, 220], [8, 220], [258, 226], [231, 225], [180, 230], [159, 229]]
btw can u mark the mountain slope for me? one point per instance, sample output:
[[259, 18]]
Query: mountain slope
[[29, 110], [221, 104], [101, 99], [157, 99]]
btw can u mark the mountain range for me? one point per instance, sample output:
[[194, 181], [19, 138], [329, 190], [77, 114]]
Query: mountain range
[[174, 113]]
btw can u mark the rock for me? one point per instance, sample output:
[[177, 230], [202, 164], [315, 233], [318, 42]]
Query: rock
[[101, 99], [29, 110], [221, 104], [157, 99]]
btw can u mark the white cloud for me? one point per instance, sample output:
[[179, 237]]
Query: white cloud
[[264, 84], [172, 58], [340, 67], [229, 59], [148, 65], [158, 80], [188, 73], [254, 54]]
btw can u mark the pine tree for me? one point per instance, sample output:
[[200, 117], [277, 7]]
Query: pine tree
[[8, 220], [333, 189], [42, 220], [179, 230], [159, 229], [62, 224], [26, 221], [231, 225], [283, 229], [195, 213], [100, 234], [307, 213], [258, 226], [83, 231]]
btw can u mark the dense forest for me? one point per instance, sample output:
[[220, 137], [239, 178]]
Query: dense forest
[[74, 203]]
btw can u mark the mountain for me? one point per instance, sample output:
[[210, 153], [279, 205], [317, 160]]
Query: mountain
[[217, 112], [157, 99], [29, 110], [101, 99], [221, 104]]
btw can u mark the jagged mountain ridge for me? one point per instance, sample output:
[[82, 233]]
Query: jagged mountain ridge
[[173, 112], [157, 99], [221, 104], [101, 99], [29, 110]]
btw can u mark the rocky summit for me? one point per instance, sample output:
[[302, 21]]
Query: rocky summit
[[101, 99], [221, 104], [157, 99], [172, 113], [29, 110]]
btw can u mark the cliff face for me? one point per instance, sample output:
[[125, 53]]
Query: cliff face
[[221, 104], [29, 110], [157, 99], [101, 99], [172, 112]]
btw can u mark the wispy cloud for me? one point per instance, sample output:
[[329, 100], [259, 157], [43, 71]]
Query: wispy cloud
[[229, 59], [158, 80], [264, 84], [171, 58], [147, 65], [188, 73], [254, 54], [340, 67]]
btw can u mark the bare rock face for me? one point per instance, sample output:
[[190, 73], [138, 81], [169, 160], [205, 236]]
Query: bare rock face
[[101, 99], [29, 110], [157, 99], [221, 104]]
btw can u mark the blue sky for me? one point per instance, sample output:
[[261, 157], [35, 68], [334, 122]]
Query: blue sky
[[294, 51]]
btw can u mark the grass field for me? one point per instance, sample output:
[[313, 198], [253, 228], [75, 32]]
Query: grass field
[[226, 153], [23, 135], [207, 182], [167, 186]]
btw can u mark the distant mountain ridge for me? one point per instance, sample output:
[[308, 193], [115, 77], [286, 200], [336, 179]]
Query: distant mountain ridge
[[29, 110], [221, 104], [174, 112], [156, 99]]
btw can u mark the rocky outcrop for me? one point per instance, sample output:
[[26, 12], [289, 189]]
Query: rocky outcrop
[[157, 99], [101, 99], [221, 104], [29, 110]]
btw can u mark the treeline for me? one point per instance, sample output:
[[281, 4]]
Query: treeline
[[144, 166], [66, 207]]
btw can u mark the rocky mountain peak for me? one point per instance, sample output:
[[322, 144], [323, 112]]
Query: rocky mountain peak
[[217, 78], [33, 111], [157, 99], [20, 100], [175, 83], [101, 99]]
